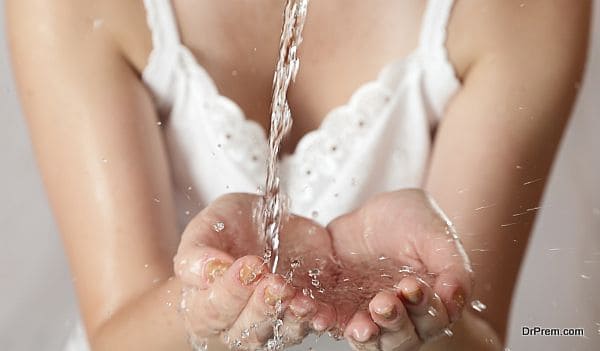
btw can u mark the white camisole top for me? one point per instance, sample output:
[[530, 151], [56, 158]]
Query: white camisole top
[[380, 140]]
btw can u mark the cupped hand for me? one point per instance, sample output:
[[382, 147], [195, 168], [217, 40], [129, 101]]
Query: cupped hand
[[401, 237], [228, 288]]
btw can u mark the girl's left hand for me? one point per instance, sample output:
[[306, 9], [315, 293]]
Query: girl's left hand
[[407, 228]]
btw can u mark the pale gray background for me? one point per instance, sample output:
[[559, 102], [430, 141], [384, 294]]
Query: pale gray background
[[37, 301]]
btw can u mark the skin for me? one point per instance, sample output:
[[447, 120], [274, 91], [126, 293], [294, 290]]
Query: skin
[[215, 265], [102, 157]]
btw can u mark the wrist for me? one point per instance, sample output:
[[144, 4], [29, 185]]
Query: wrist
[[470, 333]]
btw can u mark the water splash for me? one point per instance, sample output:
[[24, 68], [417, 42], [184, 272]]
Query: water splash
[[273, 206], [478, 305], [218, 227]]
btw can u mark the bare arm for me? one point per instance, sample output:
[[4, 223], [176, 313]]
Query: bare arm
[[496, 143], [103, 162]]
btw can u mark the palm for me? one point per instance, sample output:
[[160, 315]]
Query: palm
[[229, 226], [391, 236]]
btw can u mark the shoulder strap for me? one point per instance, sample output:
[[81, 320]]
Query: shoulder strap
[[162, 23], [159, 71], [433, 35]]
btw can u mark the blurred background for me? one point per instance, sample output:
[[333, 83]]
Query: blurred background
[[559, 285]]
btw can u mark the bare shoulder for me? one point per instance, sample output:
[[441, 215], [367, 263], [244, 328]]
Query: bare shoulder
[[74, 29], [525, 33]]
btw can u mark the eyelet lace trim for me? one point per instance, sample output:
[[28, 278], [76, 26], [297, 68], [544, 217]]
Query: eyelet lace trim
[[320, 152]]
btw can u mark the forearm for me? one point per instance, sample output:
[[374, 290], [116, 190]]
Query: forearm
[[470, 333], [151, 322]]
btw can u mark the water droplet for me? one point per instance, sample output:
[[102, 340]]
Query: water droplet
[[532, 181], [448, 332], [308, 292], [146, 265], [159, 123], [478, 305], [98, 23], [169, 304], [203, 346], [156, 200], [584, 276], [245, 333], [295, 264], [218, 227], [432, 311], [187, 213]]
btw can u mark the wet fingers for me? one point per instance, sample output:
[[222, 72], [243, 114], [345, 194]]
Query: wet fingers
[[254, 325], [424, 307], [362, 333], [397, 330]]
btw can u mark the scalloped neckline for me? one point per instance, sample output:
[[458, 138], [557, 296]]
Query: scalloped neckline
[[304, 139]]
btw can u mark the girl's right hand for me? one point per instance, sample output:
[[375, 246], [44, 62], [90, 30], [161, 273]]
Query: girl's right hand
[[228, 289]]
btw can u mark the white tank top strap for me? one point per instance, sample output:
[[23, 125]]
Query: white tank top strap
[[166, 48], [434, 26]]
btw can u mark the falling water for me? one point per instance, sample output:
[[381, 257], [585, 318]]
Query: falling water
[[273, 206]]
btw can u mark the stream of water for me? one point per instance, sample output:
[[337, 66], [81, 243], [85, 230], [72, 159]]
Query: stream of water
[[274, 207]]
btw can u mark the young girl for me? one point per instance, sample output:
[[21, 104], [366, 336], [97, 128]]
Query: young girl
[[144, 113]]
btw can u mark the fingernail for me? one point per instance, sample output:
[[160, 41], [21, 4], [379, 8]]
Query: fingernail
[[299, 310], [388, 312], [320, 324], [273, 295], [413, 296], [249, 275], [361, 336], [459, 298], [215, 269]]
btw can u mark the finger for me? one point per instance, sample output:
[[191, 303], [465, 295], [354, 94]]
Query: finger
[[325, 318], [424, 307], [444, 255], [227, 224], [452, 293], [227, 296], [362, 333], [297, 319], [397, 330], [200, 266], [254, 325]]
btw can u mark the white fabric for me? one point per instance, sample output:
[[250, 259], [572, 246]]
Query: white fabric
[[379, 141]]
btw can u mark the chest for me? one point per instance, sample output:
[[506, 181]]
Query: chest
[[346, 44]]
